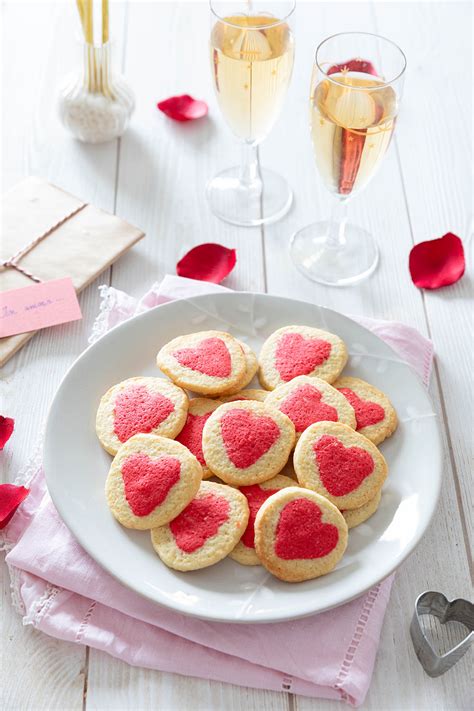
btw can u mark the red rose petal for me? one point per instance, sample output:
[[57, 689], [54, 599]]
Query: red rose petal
[[183, 108], [7, 425], [353, 65], [208, 262], [11, 497], [437, 262]]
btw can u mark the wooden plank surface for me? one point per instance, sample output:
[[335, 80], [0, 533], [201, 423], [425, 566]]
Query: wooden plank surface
[[155, 177]]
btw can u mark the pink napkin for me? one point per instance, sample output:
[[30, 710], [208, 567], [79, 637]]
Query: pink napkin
[[60, 590]]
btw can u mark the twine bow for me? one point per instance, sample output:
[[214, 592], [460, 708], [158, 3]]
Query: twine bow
[[13, 261]]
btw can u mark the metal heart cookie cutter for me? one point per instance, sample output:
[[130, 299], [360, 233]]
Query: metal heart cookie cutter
[[435, 603]]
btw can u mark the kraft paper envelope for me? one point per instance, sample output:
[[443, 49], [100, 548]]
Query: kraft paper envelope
[[79, 245]]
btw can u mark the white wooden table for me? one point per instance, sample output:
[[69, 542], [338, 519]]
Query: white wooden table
[[155, 177]]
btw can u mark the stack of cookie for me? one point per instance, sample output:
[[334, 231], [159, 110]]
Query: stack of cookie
[[292, 469]]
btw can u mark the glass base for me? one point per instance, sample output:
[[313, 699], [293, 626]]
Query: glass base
[[259, 203], [339, 265]]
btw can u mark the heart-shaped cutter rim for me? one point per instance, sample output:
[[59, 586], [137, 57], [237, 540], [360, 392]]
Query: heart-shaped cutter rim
[[435, 603]]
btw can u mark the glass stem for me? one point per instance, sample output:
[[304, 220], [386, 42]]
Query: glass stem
[[337, 225], [250, 170]]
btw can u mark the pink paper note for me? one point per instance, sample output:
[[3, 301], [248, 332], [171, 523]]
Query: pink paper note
[[38, 306]]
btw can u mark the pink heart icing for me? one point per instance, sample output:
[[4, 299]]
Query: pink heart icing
[[255, 496], [137, 409], [200, 520], [247, 436], [147, 481], [367, 412], [191, 435], [341, 469], [300, 533], [210, 357], [304, 407], [296, 355]]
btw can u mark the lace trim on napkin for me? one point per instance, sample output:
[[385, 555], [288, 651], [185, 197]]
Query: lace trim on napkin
[[122, 306], [15, 586], [111, 299], [41, 606]]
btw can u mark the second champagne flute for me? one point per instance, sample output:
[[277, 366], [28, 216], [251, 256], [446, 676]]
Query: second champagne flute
[[252, 51], [356, 89]]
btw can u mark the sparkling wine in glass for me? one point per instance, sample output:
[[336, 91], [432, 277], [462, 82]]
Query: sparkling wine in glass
[[355, 96], [252, 51]]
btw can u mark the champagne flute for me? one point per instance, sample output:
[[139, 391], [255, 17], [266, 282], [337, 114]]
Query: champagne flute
[[252, 51], [356, 89]]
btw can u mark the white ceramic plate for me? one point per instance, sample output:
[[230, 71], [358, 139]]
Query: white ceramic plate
[[76, 465]]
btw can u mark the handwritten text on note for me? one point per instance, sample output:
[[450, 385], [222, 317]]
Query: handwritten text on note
[[38, 306]]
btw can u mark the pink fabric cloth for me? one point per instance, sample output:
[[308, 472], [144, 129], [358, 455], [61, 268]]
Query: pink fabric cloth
[[60, 590]]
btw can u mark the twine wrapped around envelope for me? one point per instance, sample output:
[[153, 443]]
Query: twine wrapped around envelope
[[50, 234], [13, 261]]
